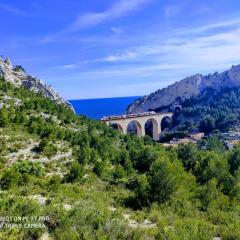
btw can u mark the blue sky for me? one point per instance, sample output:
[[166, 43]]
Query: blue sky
[[111, 48]]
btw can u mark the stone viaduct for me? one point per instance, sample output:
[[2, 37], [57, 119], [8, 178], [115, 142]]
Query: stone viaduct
[[139, 119]]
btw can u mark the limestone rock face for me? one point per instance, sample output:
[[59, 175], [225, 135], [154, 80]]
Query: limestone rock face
[[18, 77], [185, 89]]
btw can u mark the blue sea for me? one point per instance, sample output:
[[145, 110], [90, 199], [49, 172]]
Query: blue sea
[[97, 108]]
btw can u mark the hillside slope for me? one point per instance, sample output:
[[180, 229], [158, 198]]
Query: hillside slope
[[212, 110], [185, 89], [68, 177], [208, 112]]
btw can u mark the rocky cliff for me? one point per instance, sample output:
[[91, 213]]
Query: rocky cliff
[[185, 89], [18, 77]]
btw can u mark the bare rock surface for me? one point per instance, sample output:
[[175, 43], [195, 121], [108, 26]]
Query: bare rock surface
[[45, 236], [18, 77], [67, 207], [134, 224], [39, 198], [185, 89]]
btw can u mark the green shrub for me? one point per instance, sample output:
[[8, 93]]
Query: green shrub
[[4, 120], [75, 174], [47, 148], [20, 173], [141, 188], [163, 180], [54, 183]]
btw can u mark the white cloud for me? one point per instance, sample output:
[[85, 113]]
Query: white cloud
[[10, 9], [127, 55], [116, 30], [146, 68], [218, 48], [134, 53], [172, 11], [207, 27], [119, 9], [163, 58], [126, 71], [69, 66]]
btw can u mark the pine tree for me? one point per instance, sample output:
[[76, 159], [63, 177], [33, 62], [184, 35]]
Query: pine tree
[[4, 117], [11, 114]]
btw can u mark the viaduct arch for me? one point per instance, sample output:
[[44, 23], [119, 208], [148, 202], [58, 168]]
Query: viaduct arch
[[123, 121]]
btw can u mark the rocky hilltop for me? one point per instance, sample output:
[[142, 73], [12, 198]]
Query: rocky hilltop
[[17, 76], [185, 89]]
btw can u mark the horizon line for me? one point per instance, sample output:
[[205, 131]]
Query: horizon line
[[101, 98]]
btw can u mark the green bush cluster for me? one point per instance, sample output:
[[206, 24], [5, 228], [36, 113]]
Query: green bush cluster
[[20, 174], [190, 192], [213, 110]]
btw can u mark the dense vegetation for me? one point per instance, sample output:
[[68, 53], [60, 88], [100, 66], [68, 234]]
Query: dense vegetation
[[103, 180], [212, 110]]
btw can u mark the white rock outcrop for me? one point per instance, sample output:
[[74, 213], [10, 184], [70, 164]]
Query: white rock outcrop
[[18, 77], [185, 89]]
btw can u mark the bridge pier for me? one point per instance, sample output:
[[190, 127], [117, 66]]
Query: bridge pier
[[156, 131], [140, 120]]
